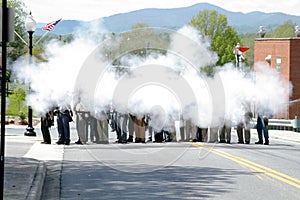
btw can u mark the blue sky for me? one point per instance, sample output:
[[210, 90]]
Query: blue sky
[[49, 10]]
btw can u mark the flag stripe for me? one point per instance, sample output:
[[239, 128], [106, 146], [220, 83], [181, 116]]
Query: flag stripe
[[50, 26]]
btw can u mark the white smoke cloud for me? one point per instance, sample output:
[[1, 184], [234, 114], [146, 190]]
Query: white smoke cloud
[[170, 85], [193, 47], [262, 91], [272, 91], [52, 82]]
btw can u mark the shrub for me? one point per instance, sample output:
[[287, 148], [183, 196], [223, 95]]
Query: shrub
[[22, 116]]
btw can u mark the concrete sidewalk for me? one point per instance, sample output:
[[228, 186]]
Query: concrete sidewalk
[[278, 135], [24, 177], [284, 135]]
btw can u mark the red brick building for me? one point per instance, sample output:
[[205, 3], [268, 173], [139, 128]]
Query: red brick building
[[283, 54]]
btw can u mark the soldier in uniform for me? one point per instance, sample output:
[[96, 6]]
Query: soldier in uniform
[[190, 131], [82, 121], [240, 133], [247, 126], [181, 128], [139, 128], [243, 129], [265, 129], [122, 121], [130, 128], [47, 120], [261, 128], [225, 132], [64, 117], [93, 129], [101, 132], [169, 130], [204, 131], [149, 128]]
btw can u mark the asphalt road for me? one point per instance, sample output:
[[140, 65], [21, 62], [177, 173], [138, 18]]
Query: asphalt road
[[165, 171], [180, 171]]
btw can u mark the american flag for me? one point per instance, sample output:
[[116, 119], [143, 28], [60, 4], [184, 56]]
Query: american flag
[[50, 26]]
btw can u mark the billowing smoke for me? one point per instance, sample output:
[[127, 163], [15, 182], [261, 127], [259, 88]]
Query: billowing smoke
[[166, 86], [262, 91], [52, 82]]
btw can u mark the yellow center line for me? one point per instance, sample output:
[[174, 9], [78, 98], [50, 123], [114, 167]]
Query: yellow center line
[[255, 166]]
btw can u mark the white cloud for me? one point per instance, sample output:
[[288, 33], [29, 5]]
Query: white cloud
[[48, 10]]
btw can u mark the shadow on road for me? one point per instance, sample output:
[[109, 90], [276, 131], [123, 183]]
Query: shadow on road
[[91, 180]]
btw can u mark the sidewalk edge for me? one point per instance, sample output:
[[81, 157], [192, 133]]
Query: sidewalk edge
[[35, 192]]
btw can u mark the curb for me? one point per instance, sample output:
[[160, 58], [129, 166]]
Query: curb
[[35, 192]]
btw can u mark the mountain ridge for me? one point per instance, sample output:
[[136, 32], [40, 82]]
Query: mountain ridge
[[175, 18]]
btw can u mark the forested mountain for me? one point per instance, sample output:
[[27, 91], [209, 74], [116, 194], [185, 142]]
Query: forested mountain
[[177, 17]]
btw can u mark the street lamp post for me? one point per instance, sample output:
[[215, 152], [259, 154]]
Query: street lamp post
[[30, 25]]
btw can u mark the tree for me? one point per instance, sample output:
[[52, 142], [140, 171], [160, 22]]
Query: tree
[[17, 48], [223, 37], [139, 42], [248, 41], [141, 39], [17, 99], [284, 31]]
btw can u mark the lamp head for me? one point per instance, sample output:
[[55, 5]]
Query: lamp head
[[30, 23]]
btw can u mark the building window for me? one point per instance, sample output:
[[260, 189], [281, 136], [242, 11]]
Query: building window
[[278, 63]]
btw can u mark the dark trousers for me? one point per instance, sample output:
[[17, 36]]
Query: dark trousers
[[159, 136], [259, 132], [240, 134], [266, 134], [45, 130], [182, 135], [199, 134], [63, 127]]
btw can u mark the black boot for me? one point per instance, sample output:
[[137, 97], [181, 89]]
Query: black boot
[[130, 138], [137, 140], [266, 142], [78, 142], [259, 142]]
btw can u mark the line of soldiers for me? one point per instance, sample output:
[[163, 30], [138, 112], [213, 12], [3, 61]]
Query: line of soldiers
[[126, 126]]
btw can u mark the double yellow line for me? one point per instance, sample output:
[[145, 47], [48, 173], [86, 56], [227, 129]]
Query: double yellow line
[[254, 166]]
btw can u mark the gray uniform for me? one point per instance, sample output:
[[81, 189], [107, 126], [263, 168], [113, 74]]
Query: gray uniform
[[102, 128], [225, 132], [190, 130], [243, 129], [82, 120]]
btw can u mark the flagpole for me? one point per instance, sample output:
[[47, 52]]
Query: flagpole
[[42, 37], [48, 27]]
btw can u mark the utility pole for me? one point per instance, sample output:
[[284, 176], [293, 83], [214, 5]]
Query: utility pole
[[7, 34], [3, 91]]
